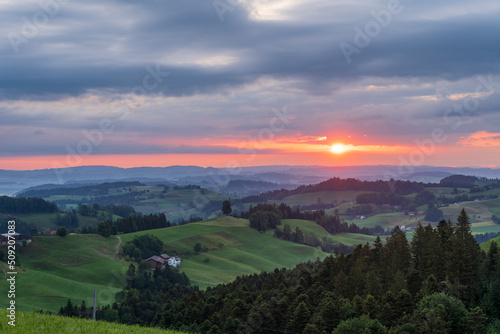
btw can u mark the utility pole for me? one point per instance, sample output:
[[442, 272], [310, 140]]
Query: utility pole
[[93, 310]]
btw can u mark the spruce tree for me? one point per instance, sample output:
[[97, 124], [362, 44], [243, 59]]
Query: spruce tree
[[300, 318], [464, 256]]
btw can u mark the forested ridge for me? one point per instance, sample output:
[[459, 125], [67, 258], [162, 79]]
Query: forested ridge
[[337, 184], [439, 282], [10, 205], [98, 189]]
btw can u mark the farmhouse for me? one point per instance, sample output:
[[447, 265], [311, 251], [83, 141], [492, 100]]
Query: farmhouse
[[174, 261], [405, 229], [4, 238], [155, 262]]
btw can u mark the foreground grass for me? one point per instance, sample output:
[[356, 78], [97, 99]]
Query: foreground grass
[[31, 322]]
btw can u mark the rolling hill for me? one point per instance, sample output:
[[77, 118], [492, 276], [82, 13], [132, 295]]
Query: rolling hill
[[486, 245], [176, 202], [54, 269], [234, 249]]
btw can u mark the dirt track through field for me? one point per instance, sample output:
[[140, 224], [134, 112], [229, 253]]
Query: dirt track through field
[[117, 247]]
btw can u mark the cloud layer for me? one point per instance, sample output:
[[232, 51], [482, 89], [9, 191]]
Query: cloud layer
[[172, 77]]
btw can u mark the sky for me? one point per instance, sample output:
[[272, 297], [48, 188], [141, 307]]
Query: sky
[[229, 83]]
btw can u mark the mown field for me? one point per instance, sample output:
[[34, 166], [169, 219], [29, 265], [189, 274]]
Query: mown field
[[31, 322], [54, 269]]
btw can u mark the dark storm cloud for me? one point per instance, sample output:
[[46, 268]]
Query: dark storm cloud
[[106, 46]]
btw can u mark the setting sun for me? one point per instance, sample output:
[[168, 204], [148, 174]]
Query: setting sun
[[338, 148]]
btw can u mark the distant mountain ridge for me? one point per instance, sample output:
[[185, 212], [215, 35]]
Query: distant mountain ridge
[[12, 181]]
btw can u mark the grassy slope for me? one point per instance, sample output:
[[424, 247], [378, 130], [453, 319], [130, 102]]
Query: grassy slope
[[235, 250], [349, 239], [31, 322], [387, 220], [479, 212], [486, 245], [54, 269]]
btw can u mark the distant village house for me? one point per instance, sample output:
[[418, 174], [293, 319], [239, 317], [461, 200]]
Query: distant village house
[[158, 262], [174, 261], [4, 238]]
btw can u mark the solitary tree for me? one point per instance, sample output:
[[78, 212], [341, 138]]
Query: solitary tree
[[104, 229], [226, 207], [62, 231], [197, 248]]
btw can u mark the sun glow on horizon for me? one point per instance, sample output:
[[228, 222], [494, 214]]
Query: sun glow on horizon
[[339, 148]]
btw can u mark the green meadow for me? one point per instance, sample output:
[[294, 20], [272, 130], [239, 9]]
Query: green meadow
[[307, 226], [54, 269], [233, 249], [388, 220], [486, 245]]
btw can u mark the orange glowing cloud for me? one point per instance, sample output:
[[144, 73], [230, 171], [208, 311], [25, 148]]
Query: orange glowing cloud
[[481, 138]]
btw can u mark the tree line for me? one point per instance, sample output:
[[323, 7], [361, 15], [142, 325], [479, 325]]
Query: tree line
[[336, 184], [130, 224], [299, 237], [143, 247], [161, 285], [22, 205], [98, 189]]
